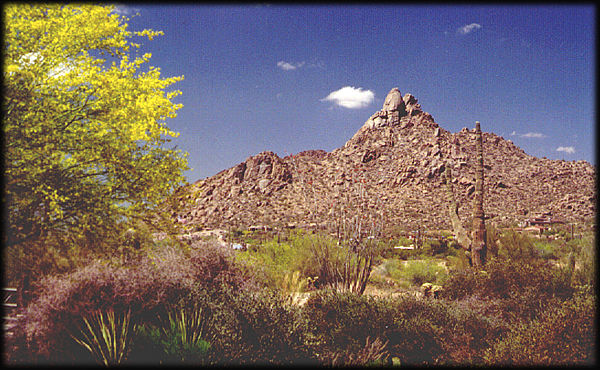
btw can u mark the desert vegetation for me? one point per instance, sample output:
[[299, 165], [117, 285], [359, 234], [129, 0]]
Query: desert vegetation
[[106, 276], [274, 303]]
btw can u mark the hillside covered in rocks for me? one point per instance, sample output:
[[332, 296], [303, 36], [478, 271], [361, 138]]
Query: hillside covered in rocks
[[390, 170]]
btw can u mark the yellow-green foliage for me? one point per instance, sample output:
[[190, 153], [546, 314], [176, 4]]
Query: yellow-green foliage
[[85, 137], [273, 260], [412, 272], [292, 286], [515, 246]]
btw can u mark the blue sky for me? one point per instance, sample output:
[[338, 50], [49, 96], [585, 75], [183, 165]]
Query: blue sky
[[258, 77]]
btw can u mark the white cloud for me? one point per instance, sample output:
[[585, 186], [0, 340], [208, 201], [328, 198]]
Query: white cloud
[[529, 135], [351, 97], [566, 149], [536, 135], [469, 28], [124, 10], [289, 66]]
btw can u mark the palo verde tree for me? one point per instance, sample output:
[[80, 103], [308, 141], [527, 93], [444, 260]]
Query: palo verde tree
[[84, 120]]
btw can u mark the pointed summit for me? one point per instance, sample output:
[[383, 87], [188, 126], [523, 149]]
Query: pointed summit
[[393, 101], [398, 111]]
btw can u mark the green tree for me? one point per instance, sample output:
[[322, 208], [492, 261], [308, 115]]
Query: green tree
[[84, 126]]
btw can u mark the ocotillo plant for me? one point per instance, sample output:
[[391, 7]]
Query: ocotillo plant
[[476, 245], [354, 220]]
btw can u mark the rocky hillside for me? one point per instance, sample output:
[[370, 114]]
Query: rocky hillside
[[390, 170]]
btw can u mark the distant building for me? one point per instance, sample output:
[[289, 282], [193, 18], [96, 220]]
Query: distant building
[[543, 220]]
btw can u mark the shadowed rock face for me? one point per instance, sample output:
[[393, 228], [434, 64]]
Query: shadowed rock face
[[395, 160]]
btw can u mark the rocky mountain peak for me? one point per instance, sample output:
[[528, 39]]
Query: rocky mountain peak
[[394, 162], [398, 111]]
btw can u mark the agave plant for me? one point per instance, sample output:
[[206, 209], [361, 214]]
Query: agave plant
[[184, 334], [292, 286], [188, 323], [106, 335]]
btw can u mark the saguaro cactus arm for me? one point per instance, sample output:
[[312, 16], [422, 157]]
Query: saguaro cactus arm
[[460, 234]]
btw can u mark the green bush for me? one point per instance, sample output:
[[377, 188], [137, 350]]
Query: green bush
[[435, 247], [419, 272], [271, 261], [257, 327], [564, 334], [515, 246], [545, 250], [586, 260]]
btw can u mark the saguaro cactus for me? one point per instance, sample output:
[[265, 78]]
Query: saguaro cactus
[[476, 245]]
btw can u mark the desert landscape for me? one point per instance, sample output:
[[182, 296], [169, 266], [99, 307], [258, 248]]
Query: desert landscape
[[400, 241]]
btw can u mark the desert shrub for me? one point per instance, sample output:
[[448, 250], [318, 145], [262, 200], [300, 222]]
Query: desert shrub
[[419, 272], [408, 273], [385, 274], [270, 261], [564, 334], [514, 246], [343, 321], [457, 259], [501, 279], [417, 331], [447, 332], [373, 353], [524, 288], [435, 246], [320, 256], [257, 327], [143, 288], [545, 250], [586, 260]]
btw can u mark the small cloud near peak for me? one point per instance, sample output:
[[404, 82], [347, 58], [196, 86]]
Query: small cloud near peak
[[566, 149], [534, 135], [529, 135], [468, 28], [351, 97]]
